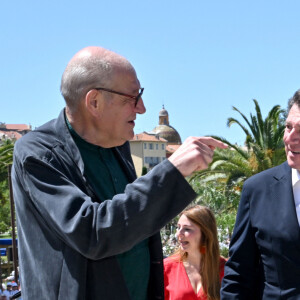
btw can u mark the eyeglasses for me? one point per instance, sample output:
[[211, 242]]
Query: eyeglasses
[[136, 98]]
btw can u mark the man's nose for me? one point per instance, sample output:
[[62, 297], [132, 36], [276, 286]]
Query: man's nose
[[140, 107]]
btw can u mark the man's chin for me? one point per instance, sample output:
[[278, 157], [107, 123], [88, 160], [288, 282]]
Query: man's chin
[[130, 135], [125, 139]]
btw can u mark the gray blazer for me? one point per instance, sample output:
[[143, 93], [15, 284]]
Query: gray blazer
[[67, 239]]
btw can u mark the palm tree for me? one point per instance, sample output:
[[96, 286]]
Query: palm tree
[[263, 149], [265, 138]]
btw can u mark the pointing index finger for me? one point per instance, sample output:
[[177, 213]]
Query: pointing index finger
[[213, 143]]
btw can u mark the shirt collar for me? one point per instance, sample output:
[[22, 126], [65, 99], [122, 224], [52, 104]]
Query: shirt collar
[[295, 176]]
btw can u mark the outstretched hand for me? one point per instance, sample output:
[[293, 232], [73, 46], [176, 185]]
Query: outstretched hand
[[195, 154]]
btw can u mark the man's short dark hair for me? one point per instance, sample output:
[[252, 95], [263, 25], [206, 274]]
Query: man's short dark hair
[[294, 100]]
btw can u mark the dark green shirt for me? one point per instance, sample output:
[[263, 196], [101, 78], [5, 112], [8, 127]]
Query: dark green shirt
[[107, 178]]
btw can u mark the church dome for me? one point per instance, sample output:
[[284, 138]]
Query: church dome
[[163, 112], [165, 130], [169, 133]]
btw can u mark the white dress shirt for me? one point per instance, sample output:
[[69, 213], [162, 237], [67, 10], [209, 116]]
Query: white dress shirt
[[296, 190]]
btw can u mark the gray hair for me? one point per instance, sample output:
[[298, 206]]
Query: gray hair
[[82, 75], [294, 100]]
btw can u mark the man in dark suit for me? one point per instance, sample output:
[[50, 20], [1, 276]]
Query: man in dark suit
[[87, 228], [264, 252]]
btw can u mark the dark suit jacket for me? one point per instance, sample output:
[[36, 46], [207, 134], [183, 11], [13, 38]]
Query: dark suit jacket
[[264, 253], [67, 239]]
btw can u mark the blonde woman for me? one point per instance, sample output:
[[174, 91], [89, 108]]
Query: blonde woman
[[195, 270]]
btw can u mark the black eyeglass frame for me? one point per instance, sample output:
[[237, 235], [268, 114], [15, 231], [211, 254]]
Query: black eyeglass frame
[[136, 98]]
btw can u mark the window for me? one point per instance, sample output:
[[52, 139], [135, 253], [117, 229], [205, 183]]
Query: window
[[151, 146], [152, 161], [163, 146], [156, 146], [145, 145]]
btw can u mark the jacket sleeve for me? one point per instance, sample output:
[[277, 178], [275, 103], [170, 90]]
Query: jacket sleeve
[[98, 230], [240, 276]]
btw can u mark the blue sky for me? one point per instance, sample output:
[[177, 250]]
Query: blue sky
[[198, 58]]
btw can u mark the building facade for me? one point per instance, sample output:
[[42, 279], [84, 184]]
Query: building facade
[[147, 150]]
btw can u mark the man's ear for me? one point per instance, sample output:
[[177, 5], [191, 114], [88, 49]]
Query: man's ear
[[93, 101]]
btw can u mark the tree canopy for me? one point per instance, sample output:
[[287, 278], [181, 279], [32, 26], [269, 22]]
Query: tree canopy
[[263, 148]]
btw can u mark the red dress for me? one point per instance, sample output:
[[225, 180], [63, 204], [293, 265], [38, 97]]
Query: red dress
[[177, 283]]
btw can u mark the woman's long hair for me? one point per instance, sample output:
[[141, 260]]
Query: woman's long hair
[[209, 248]]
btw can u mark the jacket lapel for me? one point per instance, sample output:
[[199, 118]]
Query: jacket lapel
[[282, 193]]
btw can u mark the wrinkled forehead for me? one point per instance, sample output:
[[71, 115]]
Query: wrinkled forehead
[[124, 69], [125, 77]]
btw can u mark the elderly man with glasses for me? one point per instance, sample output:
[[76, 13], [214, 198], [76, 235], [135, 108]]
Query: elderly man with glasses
[[87, 228]]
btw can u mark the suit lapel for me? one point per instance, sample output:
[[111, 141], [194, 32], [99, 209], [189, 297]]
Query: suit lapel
[[284, 204]]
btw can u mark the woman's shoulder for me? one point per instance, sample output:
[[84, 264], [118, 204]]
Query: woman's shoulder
[[172, 260], [172, 265]]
